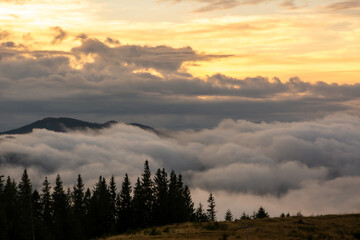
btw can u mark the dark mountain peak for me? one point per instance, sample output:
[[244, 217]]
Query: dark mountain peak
[[70, 124], [59, 125]]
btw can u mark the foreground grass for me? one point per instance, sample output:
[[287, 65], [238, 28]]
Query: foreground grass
[[308, 228]]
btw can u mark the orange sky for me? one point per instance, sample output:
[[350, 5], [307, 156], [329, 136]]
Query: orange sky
[[316, 41]]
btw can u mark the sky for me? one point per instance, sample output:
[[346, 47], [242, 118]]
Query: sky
[[178, 64], [262, 94]]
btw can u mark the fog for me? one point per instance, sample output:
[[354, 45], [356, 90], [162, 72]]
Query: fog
[[308, 166]]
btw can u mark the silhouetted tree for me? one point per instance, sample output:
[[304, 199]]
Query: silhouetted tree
[[78, 199], [211, 208], [244, 216], [147, 194], [37, 207], [46, 210], [200, 215], [174, 198], [61, 212], [160, 208], [100, 209], [12, 210], [261, 213], [137, 206], [113, 194], [124, 205], [228, 216], [73, 214], [3, 222], [25, 204], [188, 204]]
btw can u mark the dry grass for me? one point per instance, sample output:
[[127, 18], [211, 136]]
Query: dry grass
[[322, 227]]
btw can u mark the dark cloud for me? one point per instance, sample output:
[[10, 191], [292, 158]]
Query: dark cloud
[[82, 36], [290, 164], [162, 58], [343, 5], [112, 41], [60, 35], [150, 85]]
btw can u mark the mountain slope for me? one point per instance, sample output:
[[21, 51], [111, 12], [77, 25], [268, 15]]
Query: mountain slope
[[70, 124], [59, 125]]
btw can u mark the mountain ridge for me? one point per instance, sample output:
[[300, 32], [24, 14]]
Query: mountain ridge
[[63, 124]]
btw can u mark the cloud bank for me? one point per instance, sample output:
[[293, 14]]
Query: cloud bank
[[312, 166], [100, 81]]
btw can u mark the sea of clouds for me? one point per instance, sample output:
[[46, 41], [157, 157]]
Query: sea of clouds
[[308, 166]]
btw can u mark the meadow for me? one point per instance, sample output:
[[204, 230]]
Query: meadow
[[297, 227]]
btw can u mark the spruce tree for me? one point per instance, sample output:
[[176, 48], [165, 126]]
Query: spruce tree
[[188, 204], [25, 204], [211, 208], [200, 215], [147, 194], [61, 208], [46, 210], [160, 208], [12, 210], [228, 216], [261, 213], [137, 206], [79, 207], [113, 194], [124, 205], [244, 216], [100, 209], [174, 198], [3, 222], [87, 220], [37, 207]]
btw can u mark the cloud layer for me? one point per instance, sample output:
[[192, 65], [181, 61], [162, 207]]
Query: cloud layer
[[313, 166], [100, 81]]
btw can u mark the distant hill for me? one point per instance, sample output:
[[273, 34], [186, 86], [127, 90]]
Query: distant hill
[[69, 124]]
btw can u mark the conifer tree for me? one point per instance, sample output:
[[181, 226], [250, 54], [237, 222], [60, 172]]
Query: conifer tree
[[100, 209], [161, 197], [228, 216], [87, 199], [147, 194], [25, 204], [173, 197], [211, 208], [12, 210], [188, 204], [113, 194], [60, 207], [261, 213], [37, 214], [124, 205], [79, 207], [3, 222], [244, 216], [87, 220], [137, 206], [200, 215], [46, 210]]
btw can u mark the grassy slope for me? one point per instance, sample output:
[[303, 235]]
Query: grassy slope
[[322, 227]]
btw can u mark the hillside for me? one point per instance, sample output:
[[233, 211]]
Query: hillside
[[70, 124], [320, 227]]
